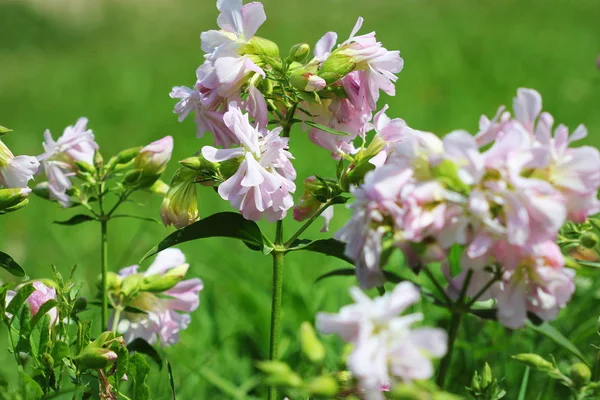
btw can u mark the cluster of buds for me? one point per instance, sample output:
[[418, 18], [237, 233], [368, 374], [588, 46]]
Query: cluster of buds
[[505, 205], [15, 173], [154, 305], [75, 154]]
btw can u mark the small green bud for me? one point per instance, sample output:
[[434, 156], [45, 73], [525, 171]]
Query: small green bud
[[476, 382], [336, 66], [407, 392], [344, 378], [206, 170], [85, 167], [159, 187], [95, 358], [132, 177], [280, 374], [307, 81], [80, 304], [580, 374], [323, 386], [331, 77], [127, 155], [298, 52], [589, 240], [159, 283], [262, 47], [311, 346], [180, 205], [13, 199], [101, 340], [42, 190], [98, 160], [534, 361], [47, 361], [487, 378], [131, 285]]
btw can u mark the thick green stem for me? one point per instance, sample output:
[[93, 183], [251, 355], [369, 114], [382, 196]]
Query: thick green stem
[[116, 318], [276, 301], [104, 266], [455, 320]]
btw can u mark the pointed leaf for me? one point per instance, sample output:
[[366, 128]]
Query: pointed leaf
[[17, 302], [331, 247], [76, 220], [11, 265], [44, 329], [171, 380], [325, 128], [4, 130], [44, 308], [60, 351], [138, 372], [136, 217], [554, 334], [139, 345], [337, 272], [225, 224]]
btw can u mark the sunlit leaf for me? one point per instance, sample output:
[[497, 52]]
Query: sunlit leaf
[[225, 224], [136, 217], [552, 333], [9, 264], [325, 128], [330, 247]]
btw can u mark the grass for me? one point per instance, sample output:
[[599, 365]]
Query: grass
[[116, 63]]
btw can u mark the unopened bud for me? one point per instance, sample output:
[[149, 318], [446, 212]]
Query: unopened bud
[[127, 155], [336, 66], [180, 205], [299, 52], [344, 378], [325, 386], [153, 158], [589, 240], [13, 199], [476, 382], [47, 361], [311, 346], [80, 304], [95, 358], [307, 80], [159, 187], [580, 374], [98, 160], [262, 47], [160, 283], [85, 167], [205, 170], [487, 378], [534, 361], [42, 190], [279, 374], [131, 285]]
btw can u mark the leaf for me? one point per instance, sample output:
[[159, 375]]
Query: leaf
[[331, 247], [9, 264], [586, 263], [524, 383], [171, 380], [76, 220], [554, 334], [325, 128], [22, 295], [137, 371], [122, 359], [225, 224], [136, 217], [24, 343], [60, 351], [84, 335], [44, 308], [31, 389], [337, 272], [139, 345], [44, 339]]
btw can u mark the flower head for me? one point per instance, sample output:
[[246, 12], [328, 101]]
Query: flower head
[[264, 180], [180, 205], [153, 158], [387, 348], [167, 311]]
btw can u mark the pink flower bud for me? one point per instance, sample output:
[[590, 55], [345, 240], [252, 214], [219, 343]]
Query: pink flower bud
[[40, 296], [153, 158]]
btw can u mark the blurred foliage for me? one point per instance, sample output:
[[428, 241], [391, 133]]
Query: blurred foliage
[[115, 62]]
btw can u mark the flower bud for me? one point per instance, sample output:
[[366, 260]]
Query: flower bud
[[307, 81], [589, 240], [153, 158], [85, 167], [279, 374], [206, 171], [298, 52], [42, 190], [311, 345], [261, 47], [534, 361], [487, 378], [162, 282], [80, 304], [325, 386], [580, 374], [98, 160], [159, 187], [13, 199], [95, 358], [336, 67], [47, 361], [180, 205], [131, 285], [125, 156]]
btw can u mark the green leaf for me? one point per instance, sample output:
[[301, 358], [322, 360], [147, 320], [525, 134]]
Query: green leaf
[[331, 247], [139, 345], [524, 384], [171, 380], [31, 389], [136, 217], [76, 220], [44, 339], [17, 302], [24, 343], [337, 272], [84, 335], [225, 224], [60, 351], [587, 263], [122, 359], [325, 128], [138, 372], [44, 308], [552, 333], [11, 265]]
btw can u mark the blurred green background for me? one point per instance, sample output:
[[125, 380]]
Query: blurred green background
[[115, 63]]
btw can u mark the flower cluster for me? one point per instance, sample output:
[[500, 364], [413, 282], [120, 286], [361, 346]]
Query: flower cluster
[[504, 203], [387, 348], [160, 293], [60, 157]]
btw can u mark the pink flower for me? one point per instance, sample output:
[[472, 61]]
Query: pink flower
[[256, 106], [387, 348], [15, 172], [153, 158], [388, 132], [264, 180], [41, 295], [59, 157], [167, 313], [375, 204]]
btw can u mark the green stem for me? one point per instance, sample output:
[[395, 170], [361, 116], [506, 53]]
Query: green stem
[[307, 224], [104, 266], [276, 301], [455, 319], [437, 285], [115, 321]]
